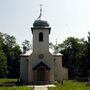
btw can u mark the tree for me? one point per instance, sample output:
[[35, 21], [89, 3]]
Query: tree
[[26, 46], [3, 65], [88, 53], [3, 59], [1, 40], [73, 50], [55, 47], [16, 61], [12, 52], [10, 41], [9, 56]]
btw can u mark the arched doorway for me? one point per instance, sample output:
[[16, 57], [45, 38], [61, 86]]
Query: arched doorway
[[41, 74]]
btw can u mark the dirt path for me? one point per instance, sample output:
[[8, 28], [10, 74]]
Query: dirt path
[[41, 87]]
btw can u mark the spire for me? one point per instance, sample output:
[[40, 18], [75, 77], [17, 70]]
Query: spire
[[40, 22], [40, 12], [56, 41], [56, 48], [40, 9]]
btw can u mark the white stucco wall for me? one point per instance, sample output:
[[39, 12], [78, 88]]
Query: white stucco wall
[[24, 69], [57, 72], [65, 73], [34, 60], [54, 62], [60, 72], [40, 46], [58, 68]]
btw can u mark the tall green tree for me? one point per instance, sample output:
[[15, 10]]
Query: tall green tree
[[26, 46], [1, 40], [73, 50], [9, 56], [12, 52], [88, 53], [3, 65], [3, 59]]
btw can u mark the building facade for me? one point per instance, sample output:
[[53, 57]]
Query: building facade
[[41, 65]]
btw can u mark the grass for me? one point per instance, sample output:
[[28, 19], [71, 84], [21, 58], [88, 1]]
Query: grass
[[15, 88], [11, 84], [71, 85]]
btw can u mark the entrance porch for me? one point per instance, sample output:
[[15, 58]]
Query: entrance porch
[[41, 74]]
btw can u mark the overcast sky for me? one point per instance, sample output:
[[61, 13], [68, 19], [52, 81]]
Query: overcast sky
[[66, 18]]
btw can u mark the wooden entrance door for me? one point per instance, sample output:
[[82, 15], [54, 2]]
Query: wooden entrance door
[[41, 74]]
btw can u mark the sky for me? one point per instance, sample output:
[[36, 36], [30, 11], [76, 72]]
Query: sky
[[66, 18]]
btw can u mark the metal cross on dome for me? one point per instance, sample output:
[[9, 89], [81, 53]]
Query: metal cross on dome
[[40, 11]]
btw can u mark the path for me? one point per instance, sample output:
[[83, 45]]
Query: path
[[43, 87]]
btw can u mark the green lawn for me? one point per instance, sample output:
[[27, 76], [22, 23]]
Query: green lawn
[[71, 85], [11, 84]]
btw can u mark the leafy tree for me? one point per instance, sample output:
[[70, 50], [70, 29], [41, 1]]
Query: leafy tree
[[73, 50], [1, 40], [26, 46], [16, 61], [12, 52], [3, 59], [3, 65], [88, 53], [10, 41], [9, 56], [55, 47]]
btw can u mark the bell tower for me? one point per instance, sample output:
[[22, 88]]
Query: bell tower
[[40, 31]]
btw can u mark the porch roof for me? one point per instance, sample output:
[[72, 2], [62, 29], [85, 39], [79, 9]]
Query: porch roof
[[41, 64]]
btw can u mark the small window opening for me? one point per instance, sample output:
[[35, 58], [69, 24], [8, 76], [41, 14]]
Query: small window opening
[[40, 36]]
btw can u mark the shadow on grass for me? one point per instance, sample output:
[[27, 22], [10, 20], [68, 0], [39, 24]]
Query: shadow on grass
[[9, 84]]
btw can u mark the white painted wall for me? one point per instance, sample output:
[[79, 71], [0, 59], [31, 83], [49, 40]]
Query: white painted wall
[[41, 46], [24, 69], [57, 72], [60, 72], [34, 60]]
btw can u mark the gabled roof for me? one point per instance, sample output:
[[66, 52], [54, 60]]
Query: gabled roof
[[53, 53], [28, 53], [41, 64]]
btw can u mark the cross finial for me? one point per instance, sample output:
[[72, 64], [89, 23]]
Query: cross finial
[[40, 9], [40, 12], [56, 41]]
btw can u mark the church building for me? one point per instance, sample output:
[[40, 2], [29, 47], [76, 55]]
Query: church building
[[41, 65]]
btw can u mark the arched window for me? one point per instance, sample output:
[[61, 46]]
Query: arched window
[[40, 36]]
